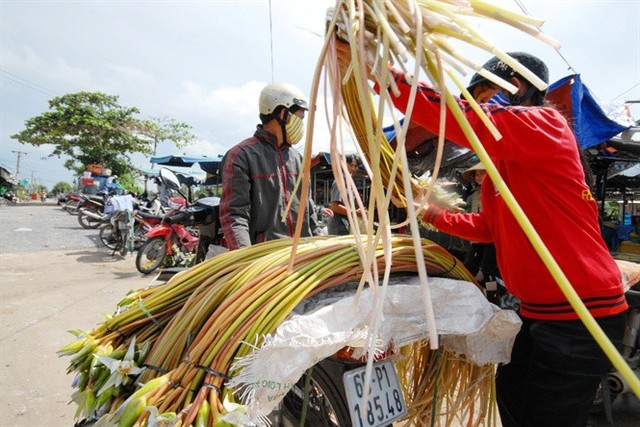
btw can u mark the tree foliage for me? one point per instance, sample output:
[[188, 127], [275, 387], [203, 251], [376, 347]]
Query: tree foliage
[[61, 187], [92, 128], [159, 129]]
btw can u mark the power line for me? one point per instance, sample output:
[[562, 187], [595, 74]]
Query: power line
[[526, 12], [627, 91], [271, 41], [26, 83], [26, 80]]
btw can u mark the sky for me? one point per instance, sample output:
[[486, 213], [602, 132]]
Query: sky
[[205, 62]]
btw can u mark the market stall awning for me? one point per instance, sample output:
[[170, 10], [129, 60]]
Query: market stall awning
[[5, 174], [184, 161], [149, 172], [210, 165]]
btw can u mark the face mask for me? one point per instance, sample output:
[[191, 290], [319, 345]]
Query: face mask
[[294, 129]]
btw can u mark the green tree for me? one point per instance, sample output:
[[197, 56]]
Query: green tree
[[61, 187], [159, 129], [208, 191], [611, 211], [92, 128]]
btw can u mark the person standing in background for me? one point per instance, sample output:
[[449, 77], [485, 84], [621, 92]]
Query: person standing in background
[[339, 223]]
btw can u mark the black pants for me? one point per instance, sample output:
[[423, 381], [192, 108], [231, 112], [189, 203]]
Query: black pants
[[554, 372]]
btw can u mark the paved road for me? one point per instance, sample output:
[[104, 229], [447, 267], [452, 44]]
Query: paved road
[[32, 227], [54, 277]]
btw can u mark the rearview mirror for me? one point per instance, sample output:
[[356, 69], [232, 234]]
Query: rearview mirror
[[170, 179]]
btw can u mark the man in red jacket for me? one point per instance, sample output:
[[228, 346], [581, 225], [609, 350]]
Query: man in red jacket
[[556, 365]]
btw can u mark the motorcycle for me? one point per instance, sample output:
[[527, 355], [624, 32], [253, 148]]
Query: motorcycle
[[71, 203], [145, 215], [184, 234], [326, 388], [330, 390], [143, 223], [90, 211], [613, 384], [9, 198], [119, 231]]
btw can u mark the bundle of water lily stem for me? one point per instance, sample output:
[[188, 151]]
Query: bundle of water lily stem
[[166, 355], [168, 351]]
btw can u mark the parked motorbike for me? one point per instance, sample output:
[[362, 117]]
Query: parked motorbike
[[119, 229], [183, 236], [613, 384], [10, 198], [333, 386], [91, 211], [143, 223], [62, 198], [124, 240], [72, 203], [146, 215], [171, 242]]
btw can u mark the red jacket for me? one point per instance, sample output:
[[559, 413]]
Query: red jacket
[[538, 159]]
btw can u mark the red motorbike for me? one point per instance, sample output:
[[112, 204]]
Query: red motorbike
[[169, 243], [71, 203], [185, 234]]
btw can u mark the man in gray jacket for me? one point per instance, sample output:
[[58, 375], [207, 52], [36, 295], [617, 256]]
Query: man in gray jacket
[[259, 174]]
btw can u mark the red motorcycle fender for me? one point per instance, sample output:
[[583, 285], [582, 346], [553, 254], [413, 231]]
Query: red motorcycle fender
[[159, 230], [186, 239]]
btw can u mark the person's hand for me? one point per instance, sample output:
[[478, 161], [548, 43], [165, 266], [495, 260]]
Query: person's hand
[[327, 212], [420, 204]]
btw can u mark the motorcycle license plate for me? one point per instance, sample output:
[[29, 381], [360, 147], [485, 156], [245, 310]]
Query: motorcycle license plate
[[385, 402]]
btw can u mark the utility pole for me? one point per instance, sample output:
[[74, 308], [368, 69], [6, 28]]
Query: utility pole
[[19, 153]]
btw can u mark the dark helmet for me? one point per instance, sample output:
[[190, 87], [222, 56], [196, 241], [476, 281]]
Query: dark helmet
[[504, 71]]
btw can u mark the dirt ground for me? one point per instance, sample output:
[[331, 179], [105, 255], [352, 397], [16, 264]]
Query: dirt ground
[[43, 295]]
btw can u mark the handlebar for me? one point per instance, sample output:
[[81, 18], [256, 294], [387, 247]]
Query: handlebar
[[177, 218]]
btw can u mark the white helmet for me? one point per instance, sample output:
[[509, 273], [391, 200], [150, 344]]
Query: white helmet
[[275, 94]]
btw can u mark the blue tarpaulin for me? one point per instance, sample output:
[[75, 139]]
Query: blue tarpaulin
[[590, 123]]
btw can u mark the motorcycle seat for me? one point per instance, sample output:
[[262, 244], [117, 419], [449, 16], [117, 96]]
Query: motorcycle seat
[[149, 216]]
